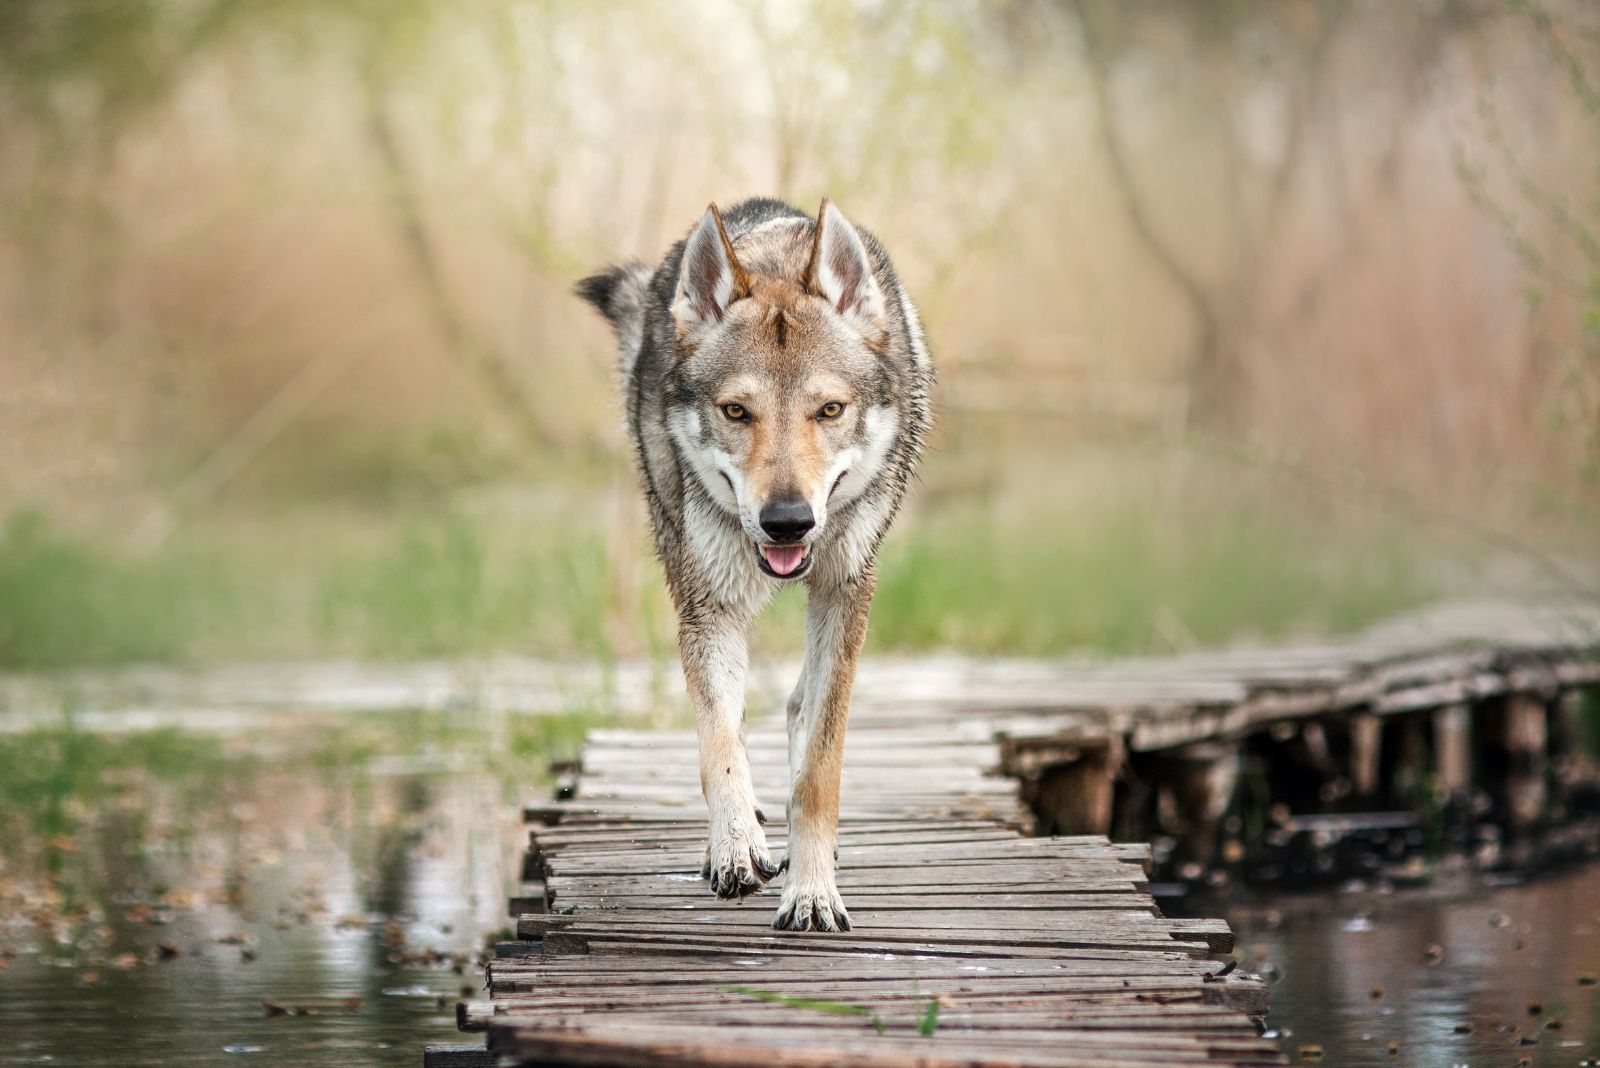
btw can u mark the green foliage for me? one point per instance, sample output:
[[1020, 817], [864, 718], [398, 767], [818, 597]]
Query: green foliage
[[929, 1023], [1563, 258], [66, 600], [1122, 579], [446, 588], [130, 54], [544, 739], [1128, 581], [831, 1008], [122, 52], [927, 1020], [1589, 721]]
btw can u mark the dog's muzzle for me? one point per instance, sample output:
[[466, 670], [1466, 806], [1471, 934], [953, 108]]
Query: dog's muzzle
[[785, 524]]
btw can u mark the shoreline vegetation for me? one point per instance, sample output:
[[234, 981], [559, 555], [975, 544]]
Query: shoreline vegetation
[[1108, 580]]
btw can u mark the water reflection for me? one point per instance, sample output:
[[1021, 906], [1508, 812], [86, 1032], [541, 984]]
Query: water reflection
[[156, 889], [1464, 972]]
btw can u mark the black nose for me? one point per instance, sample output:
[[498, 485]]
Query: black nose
[[787, 521]]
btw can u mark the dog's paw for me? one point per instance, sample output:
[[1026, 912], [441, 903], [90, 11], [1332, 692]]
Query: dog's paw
[[737, 862], [811, 905]]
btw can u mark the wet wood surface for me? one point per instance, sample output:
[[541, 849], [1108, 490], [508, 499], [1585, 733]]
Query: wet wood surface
[[1024, 950], [973, 943]]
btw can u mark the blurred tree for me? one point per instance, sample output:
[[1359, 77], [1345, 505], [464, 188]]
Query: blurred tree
[[1553, 229], [83, 75], [1246, 89], [897, 95], [857, 98], [428, 177]]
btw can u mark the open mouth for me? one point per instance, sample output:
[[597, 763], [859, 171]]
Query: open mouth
[[784, 561]]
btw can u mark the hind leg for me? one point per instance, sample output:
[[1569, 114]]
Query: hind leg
[[799, 726], [836, 627], [799, 730]]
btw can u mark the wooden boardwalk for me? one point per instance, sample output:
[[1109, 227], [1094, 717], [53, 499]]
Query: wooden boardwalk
[[1034, 950], [974, 943]]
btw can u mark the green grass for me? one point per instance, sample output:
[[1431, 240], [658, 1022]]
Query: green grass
[[829, 1008], [1121, 582], [66, 600], [1116, 577], [442, 588]]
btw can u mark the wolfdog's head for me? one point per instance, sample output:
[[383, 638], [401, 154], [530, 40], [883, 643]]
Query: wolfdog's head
[[782, 395]]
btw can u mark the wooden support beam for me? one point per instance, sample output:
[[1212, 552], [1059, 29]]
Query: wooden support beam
[[457, 1056], [1527, 743], [1452, 750], [531, 897], [1366, 752], [1076, 797], [1567, 734], [1194, 787], [473, 1016]]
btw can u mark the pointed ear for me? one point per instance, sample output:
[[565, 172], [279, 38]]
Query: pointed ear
[[841, 273], [710, 278]]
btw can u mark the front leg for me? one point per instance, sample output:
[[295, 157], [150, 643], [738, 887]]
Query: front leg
[[714, 644], [836, 627]]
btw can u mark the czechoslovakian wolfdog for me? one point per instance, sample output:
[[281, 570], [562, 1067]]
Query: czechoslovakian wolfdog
[[777, 383]]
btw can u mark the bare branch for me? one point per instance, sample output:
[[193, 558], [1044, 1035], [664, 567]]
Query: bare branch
[[466, 343], [1127, 187], [1356, 240], [1303, 97], [1472, 180]]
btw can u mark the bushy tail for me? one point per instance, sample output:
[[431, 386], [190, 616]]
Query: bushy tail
[[619, 294]]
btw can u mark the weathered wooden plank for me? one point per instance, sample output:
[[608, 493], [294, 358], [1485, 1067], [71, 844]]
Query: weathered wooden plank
[[922, 920], [648, 969], [671, 894], [1017, 936], [578, 830], [970, 943], [1095, 877], [453, 1055], [1005, 1018], [1053, 973], [687, 949], [654, 1045], [677, 809], [996, 900], [688, 838], [1041, 951], [731, 1002]]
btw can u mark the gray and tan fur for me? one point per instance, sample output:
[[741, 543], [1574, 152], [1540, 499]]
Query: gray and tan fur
[[777, 383]]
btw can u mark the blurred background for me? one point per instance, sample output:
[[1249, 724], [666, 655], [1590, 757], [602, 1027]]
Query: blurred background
[[1251, 321]]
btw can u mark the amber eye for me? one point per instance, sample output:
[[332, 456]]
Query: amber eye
[[831, 410], [735, 412]]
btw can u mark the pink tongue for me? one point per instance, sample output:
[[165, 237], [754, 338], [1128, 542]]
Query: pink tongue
[[783, 558]]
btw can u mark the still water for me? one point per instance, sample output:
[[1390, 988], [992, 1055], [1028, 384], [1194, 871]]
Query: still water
[[317, 890], [283, 895], [1463, 972]]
